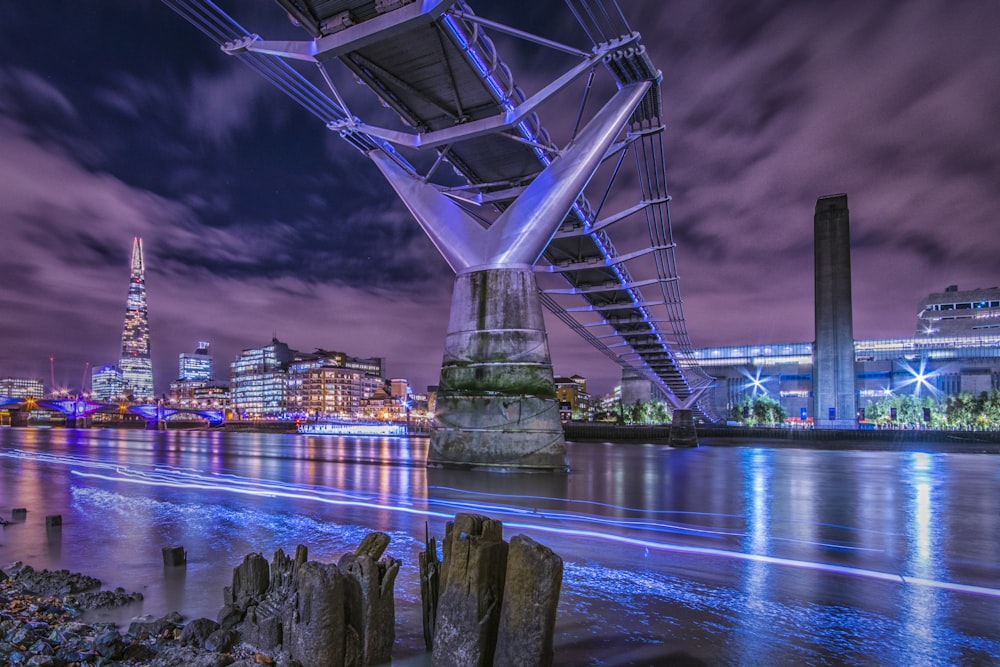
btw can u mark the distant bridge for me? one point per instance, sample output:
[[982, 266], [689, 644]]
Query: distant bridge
[[606, 267], [81, 408]]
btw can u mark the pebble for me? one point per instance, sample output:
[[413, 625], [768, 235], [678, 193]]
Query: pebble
[[46, 629]]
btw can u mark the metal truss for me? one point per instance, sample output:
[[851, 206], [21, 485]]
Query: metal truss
[[433, 64]]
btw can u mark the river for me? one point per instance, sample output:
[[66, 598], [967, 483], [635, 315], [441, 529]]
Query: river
[[717, 555]]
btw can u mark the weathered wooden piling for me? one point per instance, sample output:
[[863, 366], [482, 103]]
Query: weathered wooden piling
[[475, 563], [174, 556], [53, 521], [530, 600]]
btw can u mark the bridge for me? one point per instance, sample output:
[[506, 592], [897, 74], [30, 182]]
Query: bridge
[[79, 409], [580, 226]]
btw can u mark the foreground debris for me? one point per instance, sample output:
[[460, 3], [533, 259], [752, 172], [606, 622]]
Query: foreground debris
[[488, 602]]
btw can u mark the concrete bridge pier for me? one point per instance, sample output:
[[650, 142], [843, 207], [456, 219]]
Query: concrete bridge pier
[[682, 430], [496, 405]]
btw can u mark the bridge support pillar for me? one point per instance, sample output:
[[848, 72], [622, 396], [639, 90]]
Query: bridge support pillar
[[496, 405], [682, 430]]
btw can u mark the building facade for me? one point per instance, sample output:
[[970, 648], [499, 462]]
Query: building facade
[[331, 384], [574, 401], [196, 367], [135, 362], [107, 384], [941, 366], [960, 313], [15, 387], [258, 386], [278, 382]]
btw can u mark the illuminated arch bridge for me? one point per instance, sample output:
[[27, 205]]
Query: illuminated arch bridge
[[573, 215], [77, 408]]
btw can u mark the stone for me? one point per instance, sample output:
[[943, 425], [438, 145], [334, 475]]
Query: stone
[[229, 617], [496, 405], [174, 556], [315, 623], [472, 583], [146, 626], [187, 656], [197, 632], [682, 429], [221, 641], [530, 600], [109, 645]]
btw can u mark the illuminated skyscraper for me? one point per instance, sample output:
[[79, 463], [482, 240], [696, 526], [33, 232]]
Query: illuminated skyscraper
[[136, 365]]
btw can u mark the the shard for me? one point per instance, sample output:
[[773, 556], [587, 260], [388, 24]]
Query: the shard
[[135, 363]]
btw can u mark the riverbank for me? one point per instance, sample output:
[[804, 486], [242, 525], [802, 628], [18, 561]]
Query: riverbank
[[987, 442], [44, 621]]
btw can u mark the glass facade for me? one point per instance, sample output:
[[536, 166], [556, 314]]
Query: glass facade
[[106, 384], [12, 387], [258, 385], [135, 364], [196, 367], [942, 365]]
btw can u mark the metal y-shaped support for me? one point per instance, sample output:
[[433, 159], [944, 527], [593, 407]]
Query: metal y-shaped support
[[496, 404]]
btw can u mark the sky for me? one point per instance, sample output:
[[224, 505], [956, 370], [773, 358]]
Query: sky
[[119, 119]]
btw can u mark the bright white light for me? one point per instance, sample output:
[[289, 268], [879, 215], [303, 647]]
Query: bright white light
[[920, 378], [756, 383]]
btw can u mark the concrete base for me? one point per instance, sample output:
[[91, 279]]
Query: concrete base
[[682, 431], [496, 405]]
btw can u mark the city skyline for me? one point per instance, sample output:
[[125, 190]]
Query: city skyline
[[126, 122]]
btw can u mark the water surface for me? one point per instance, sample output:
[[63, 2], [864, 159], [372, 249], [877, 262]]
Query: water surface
[[728, 555]]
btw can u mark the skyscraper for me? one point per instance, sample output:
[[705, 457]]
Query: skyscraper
[[135, 364], [834, 399], [196, 367]]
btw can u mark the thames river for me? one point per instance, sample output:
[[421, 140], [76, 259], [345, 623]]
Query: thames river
[[717, 555]]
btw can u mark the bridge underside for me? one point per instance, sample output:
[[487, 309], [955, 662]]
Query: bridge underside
[[513, 200]]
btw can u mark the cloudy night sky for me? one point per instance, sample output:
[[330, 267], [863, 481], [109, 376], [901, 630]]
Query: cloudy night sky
[[119, 119]]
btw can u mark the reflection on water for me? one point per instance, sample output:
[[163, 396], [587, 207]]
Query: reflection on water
[[727, 555]]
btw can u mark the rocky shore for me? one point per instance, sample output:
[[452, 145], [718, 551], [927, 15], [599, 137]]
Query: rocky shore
[[488, 602], [41, 623]]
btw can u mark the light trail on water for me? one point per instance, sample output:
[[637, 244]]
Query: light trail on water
[[546, 521]]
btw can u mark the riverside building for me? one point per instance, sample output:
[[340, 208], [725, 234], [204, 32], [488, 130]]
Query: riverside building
[[940, 366], [276, 381], [955, 312], [107, 384]]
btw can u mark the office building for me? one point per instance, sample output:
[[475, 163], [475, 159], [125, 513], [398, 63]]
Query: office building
[[960, 313], [196, 367], [331, 384], [15, 387], [135, 363], [834, 404], [107, 384], [258, 386]]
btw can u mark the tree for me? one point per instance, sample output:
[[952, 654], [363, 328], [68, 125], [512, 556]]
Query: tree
[[647, 412], [761, 409]]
